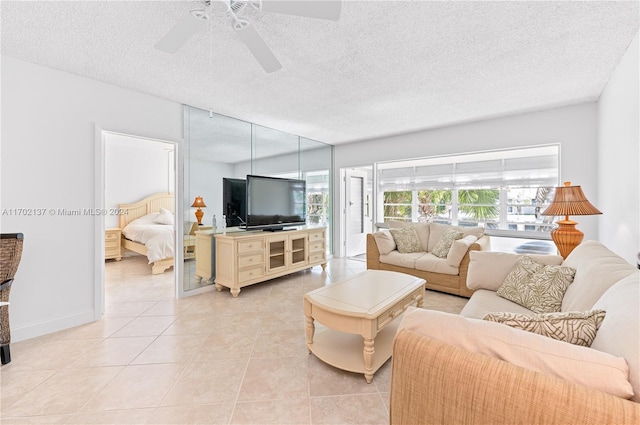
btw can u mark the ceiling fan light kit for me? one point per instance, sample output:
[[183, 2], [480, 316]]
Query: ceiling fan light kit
[[196, 20]]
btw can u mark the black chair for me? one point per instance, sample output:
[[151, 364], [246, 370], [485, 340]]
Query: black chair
[[10, 254]]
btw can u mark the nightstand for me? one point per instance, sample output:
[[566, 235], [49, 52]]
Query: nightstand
[[112, 244]]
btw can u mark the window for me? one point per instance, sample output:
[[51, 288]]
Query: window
[[318, 206], [503, 191]]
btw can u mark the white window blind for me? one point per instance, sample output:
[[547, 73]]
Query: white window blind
[[528, 167]]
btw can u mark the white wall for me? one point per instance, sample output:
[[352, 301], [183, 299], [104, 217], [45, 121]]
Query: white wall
[[135, 168], [48, 142], [619, 156], [205, 179], [573, 127]]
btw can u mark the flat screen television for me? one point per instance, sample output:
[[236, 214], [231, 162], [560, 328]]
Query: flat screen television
[[274, 203], [234, 201]]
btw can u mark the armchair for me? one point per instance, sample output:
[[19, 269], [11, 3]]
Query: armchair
[[10, 254]]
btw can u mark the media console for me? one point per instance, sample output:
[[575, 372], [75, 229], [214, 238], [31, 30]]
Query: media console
[[247, 258]]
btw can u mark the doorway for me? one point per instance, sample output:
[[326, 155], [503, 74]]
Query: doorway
[[357, 211], [128, 169]]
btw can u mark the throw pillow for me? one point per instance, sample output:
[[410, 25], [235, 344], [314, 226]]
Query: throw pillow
[[422, 229], [385, 242], [536, 286], [406, 240], [575, 327], [458, 249], [446, 240]]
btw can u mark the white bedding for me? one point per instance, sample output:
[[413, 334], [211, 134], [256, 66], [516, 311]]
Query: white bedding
[[158, 238]]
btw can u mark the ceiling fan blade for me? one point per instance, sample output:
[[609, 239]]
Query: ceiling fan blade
[[319, 9], [184, 29], [257, 46]]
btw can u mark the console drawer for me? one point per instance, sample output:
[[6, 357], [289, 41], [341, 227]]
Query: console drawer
[[316, 256], [251, 260], [250, 246], [249, 274], [316, 246], [316, 236]]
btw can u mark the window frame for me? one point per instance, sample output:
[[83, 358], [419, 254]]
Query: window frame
[[413, 184]]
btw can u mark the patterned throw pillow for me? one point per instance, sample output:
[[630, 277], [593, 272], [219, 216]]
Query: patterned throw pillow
[[444, 243], [406, 239], [575, 327], [536, 286]]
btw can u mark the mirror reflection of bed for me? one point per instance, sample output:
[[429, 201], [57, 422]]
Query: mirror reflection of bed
[[147, 229]]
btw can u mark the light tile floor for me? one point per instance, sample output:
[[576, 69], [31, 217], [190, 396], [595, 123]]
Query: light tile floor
[[207, 359]]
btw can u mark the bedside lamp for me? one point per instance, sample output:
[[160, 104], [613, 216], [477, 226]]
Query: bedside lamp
[[199, 203], [568, 200]]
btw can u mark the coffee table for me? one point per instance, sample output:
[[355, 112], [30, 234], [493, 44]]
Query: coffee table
[[360, 315]]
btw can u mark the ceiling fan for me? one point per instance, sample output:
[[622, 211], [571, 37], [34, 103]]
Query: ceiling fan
[[197, 19]]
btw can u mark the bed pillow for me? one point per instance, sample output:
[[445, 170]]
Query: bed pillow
[[164, 217], [406, 239], [581, 365], [385, 241], [537, 286], [574, 327], [446, 240]]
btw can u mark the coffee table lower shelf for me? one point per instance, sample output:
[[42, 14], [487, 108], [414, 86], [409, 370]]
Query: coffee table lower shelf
[[345, 351]]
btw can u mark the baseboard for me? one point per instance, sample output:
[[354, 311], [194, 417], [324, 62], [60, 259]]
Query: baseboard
[[43, 328]]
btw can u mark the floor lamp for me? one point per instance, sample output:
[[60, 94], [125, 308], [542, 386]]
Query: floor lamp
[[568, 200]]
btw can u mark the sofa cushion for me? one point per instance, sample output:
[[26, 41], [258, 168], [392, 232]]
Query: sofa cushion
[[437, 229], [446, 240], [537, 286], [485, 301], [619, 333], [489, 269], [422, 229], [597, 269], [458, 249], [430, 263], [574, 327], [402, 260], [406, 240], [385, 241], [581, 365]]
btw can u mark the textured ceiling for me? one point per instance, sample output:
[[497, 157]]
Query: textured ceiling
[[386, 67]]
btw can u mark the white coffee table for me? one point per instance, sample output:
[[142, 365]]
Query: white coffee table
[[364, 306]]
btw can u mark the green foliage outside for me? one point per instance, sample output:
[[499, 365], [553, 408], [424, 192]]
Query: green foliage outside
[[479, 204], [317, 204]]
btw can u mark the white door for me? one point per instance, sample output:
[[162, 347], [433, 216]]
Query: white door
[[356, 214]]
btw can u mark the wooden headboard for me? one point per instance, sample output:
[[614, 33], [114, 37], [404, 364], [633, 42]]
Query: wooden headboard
[[148, 205]]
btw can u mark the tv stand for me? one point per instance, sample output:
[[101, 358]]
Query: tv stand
[[247, 258]]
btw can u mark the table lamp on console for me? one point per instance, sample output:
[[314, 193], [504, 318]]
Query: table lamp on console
[[199, 203], [568, 200]]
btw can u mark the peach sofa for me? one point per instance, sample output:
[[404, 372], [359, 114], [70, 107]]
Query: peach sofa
[[452, 369]]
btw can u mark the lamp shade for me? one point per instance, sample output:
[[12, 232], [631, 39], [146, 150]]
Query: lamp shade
[[570, 200], [198, 202]]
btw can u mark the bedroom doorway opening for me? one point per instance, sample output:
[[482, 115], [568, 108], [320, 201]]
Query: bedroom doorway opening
[[136, 179]]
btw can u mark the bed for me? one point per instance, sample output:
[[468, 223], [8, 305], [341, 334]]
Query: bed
[[147, 230]]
